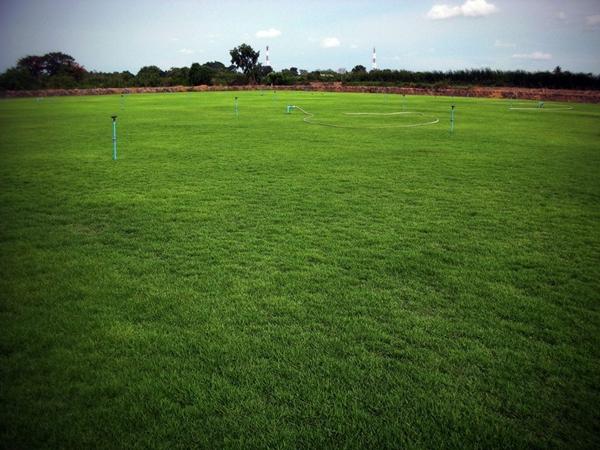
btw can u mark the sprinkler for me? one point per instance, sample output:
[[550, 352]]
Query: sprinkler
[[114, 139], [452, 119], [235, 107]]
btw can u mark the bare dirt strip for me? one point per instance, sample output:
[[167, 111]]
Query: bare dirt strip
[[580, 96]]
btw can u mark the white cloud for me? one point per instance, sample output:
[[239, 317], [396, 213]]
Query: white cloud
[[593, 21], [470, 8], [503, 44], [561, 15], [185, 51], [539, 56], [443, 12], [476, 8], [353, 46], [270, 33], [330, 42]]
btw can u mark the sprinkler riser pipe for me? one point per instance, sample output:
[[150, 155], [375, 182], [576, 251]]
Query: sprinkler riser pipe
[[114, 139]]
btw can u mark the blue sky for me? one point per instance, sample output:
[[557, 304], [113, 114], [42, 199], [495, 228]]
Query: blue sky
[[112, 35]]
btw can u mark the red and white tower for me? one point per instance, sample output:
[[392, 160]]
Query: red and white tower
[[374, 65], [267, 62]]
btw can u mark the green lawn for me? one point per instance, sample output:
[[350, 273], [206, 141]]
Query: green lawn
[[263, 282]]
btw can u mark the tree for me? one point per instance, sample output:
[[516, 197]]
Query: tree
[[51, 65], [215, 65], [178, 76], [60, 70], [17, 78], [262, 72], [126, 78], [245, 58], [200, 74], [149, 76], [32, 64], [57, 62], [282, 78]]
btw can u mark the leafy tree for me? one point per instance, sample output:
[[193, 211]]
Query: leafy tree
[[16, 78], [194, 77], [245, 59], [126, 78], [60, 70], [261, 72], [282, 78], [107, 80], [51, 65], [200, 74], [227, 78], [61, 81], [149, 76], [57, 62], [178, 76], [215, 65], [35, 65]]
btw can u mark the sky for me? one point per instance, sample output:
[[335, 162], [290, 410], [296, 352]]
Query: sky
[[117, 35]]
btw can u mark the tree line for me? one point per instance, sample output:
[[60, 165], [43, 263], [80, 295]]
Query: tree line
[[58, 70]]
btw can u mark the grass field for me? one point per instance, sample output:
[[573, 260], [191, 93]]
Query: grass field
[[263, 282]]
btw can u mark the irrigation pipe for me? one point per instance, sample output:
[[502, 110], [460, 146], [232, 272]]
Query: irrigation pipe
[[310, 115]]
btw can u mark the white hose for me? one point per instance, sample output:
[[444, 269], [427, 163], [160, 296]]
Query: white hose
[[309, 116], [547, 108]]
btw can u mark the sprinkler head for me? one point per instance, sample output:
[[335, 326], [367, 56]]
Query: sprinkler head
[[113, 118], [452, 106]]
